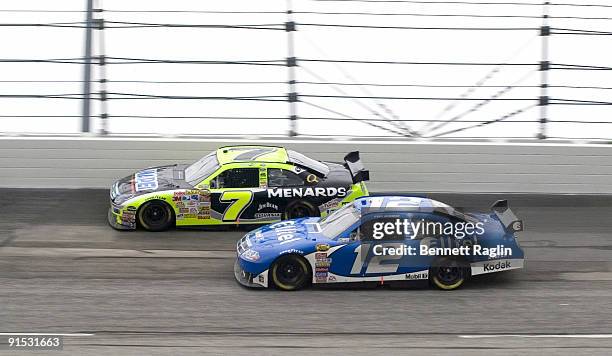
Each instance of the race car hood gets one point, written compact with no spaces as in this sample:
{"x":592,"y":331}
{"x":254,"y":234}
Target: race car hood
{"x":283,"y":233}
{"x":149,"y":180}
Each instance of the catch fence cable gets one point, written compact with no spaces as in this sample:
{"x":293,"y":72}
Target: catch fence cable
{"x":480,"y":105}
{"x":400,"y":125}
{"x":505,"y":117}
{"x":358,"y":102}
{"x":437,"y":2}
{"x":481,"y":82}
{"x":368,"y":122}
{"x":413,"y":85}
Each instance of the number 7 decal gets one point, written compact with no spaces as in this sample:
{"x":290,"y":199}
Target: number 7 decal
{"x":240,"y":200}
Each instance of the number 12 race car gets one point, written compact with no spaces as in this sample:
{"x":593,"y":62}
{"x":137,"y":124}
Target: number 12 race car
{"x":236,"y":185}
{"x":381,"y":239}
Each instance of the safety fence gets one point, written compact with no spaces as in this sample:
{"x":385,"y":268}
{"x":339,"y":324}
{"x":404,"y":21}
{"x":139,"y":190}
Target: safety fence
{"x":298,"y":95}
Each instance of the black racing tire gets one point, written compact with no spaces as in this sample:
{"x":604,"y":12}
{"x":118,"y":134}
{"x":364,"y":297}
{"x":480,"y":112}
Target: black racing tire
{"x":448,"y":273}
{"x":155,"y":215}
{"x":290,"y":272}
{"x":300,"y":209}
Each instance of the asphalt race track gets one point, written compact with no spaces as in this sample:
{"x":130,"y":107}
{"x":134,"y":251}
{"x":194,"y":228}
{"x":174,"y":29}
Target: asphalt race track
{"x":64,"y":270}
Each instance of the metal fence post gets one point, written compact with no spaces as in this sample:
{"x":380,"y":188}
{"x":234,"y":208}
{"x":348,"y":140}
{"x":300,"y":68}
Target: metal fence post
{"x":292,"y":96}
{"x":544,"y":99}
{"x":86,"y":110}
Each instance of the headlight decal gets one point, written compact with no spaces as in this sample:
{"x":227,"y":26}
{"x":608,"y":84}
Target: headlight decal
{"x":250,"y":255}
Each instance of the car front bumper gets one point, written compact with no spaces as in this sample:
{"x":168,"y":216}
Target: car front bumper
{"x":248,"y":279}
{"x":114,"y":220}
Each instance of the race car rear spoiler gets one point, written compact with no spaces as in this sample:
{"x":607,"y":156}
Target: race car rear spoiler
{"x":506,"y":216}
{"x":352,"y":162}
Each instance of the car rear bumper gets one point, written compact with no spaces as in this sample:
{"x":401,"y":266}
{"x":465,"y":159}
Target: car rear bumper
{"x":497,"y":265}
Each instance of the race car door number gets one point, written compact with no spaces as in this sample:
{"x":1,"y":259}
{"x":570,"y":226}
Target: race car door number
{"x":239,"y":199}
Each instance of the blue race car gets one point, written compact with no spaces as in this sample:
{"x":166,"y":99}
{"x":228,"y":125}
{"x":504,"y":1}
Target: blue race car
{"x":381,"y":239}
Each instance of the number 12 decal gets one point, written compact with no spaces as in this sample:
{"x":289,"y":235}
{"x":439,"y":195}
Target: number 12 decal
{"x":240,"y":200}
{"x":376,"y":264}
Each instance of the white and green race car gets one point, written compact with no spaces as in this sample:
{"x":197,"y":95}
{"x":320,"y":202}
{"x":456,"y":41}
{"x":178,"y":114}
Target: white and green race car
{"x":235,"y":185}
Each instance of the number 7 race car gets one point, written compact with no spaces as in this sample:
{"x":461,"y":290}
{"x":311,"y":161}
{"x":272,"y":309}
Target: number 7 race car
{"x":235,"y":185}
{"x":381,"y":239}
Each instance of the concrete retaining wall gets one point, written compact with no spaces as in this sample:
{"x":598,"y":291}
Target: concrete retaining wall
{"x":81,"y":162}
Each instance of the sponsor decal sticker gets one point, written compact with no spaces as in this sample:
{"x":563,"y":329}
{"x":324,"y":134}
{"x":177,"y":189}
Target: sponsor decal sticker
{"x":417,"y":275}
{"x":267,"y":205}
{"x":311,"y":178}
{"x":499,"y":266}
{"x":292,"y":250}
{"x":268,"y":215}
{"x":322,"y":247}
{"x":304,"y":192}
{"x":322,"y":264}
{"x":146,"y":180}
{"x":250,"y":255}
{"x":332,"y":204}
{"x":203,"y":216}
{"x":285,"y":231}
{"x":274,"y":214}
{"x":320,"y":255}
{"x":128,"y":217}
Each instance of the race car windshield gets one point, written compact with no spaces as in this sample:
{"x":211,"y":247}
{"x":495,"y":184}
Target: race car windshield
{"x":339,"y":221}
{"x":301,"y":160}
{"x":195,"y":173}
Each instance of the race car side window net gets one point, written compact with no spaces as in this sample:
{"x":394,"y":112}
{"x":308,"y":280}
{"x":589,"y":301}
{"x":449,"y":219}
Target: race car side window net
{"x":238,"y":178}
{"x":283,"y":178}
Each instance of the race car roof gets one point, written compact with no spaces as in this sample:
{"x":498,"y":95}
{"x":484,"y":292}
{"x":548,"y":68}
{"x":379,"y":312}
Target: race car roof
{"x":231,"y":154}
{"x":398,"y":203}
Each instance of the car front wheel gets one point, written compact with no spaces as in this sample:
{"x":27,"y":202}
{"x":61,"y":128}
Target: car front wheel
{"x":290,"y":272}
{"x":155,"y":216}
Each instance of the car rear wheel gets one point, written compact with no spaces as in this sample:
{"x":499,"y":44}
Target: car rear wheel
{"x":290,"y":272}
{"x":448,"y":273}
{"x":300,"y":209}
{"x":155,"y":216}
